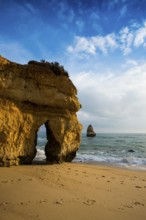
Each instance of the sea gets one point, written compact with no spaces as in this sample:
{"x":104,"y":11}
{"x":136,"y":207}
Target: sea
{"x":122,"y":150}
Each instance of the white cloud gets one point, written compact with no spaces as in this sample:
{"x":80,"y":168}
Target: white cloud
{"x":132,"y":62}
{"x":113,"y":102}
{"x":100,"y":43}
{"x":82,"y":45}
{"x":126,"y":50}
{"x":140,"y":36}
{"x":111,"y":40}
{"x":125,"y":40}
{"x":90,"y":45}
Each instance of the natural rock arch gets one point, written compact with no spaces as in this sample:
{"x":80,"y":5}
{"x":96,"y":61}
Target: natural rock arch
{"x":32,"y":95}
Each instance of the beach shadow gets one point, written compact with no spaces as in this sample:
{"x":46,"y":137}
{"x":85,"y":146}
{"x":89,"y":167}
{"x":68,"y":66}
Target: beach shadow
{"x":39,"y":162}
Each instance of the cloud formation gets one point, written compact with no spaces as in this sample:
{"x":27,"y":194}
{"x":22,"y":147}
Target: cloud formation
{"x":140,"y":36}
{"x":101,"y":43}
{"x":113,"y":102}
{"x":125,"y":40}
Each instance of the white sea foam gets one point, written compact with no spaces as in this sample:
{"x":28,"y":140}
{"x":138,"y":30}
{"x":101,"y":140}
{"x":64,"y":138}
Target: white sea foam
{"x":40,"y":155}
{"x":129,"y":162}
{"x":127,"y":150}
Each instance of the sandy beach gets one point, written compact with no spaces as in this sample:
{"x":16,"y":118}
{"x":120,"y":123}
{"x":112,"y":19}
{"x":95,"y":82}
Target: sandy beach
{"x":72,"y":191}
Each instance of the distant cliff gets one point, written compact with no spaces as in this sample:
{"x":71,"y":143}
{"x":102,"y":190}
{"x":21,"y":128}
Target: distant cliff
{"x":32,"y":95}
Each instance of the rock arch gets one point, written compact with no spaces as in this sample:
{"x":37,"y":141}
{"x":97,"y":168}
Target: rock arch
{"x":32,"y":95}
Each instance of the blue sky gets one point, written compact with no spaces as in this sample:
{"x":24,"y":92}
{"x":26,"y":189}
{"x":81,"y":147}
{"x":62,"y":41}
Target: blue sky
{"x":102,"y":44}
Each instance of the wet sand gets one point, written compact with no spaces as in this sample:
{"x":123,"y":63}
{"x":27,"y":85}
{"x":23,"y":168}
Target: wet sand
{"x":72,"y":191}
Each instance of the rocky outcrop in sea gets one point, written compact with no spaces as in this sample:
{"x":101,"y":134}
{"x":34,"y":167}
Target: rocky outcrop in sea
{"x":90,"y":131}
{"x":32,"y":95}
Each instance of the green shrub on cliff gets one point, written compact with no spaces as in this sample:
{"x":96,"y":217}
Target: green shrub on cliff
{"x":56,"y":68}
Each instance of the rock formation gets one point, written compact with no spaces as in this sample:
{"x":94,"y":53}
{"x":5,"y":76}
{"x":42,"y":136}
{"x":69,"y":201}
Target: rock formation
{"x":90,"y":131}
{"x":32,"y":95}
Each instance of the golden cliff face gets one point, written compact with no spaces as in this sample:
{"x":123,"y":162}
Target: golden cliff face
{"x":32,"y":95}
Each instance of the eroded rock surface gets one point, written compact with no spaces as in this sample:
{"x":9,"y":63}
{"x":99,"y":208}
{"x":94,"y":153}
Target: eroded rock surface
{"x":32,"y":95}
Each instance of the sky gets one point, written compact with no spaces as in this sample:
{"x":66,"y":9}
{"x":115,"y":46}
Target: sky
{"x":101,"y":43}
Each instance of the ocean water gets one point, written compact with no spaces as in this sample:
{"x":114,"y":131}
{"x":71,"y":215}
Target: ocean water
{"x":125,"y":150}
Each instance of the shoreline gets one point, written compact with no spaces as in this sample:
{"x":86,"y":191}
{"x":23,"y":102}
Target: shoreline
{"x":72,"y":191}
{"x":134,"y":167}
{"x":94,"y":163}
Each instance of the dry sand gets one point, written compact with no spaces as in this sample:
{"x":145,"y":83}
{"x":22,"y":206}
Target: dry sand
{"x":72,"y":192}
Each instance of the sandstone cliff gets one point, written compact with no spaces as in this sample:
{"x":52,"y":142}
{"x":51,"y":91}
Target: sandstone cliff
{"x":32,"y":95}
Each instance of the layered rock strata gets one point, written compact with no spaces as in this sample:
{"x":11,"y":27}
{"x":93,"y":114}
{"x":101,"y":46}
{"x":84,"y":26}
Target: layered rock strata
{"x":32,"y":95}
